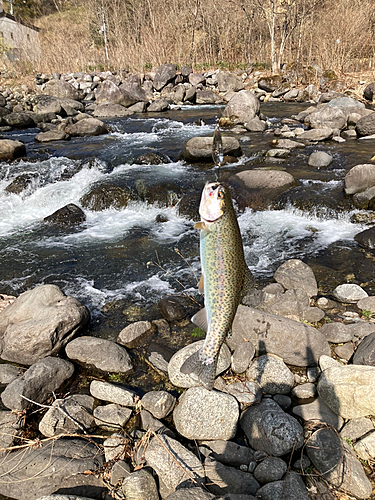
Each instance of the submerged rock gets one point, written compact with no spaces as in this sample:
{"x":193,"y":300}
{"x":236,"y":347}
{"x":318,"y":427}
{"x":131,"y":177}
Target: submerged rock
{"x":70,"y":214}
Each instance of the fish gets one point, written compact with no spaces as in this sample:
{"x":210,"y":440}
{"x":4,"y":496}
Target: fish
{"x":225,"y":280}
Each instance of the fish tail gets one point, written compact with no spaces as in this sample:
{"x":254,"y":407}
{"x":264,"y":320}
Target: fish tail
{"x":200,"y":370}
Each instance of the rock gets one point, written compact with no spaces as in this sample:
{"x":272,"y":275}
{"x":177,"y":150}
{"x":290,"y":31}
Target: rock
{"x":320,"y":159}
{"x":111,"y":415}
{"x":365,"y":199}
{"x":9,"y":150}
{"x":270,"y":83}
{"x":337,"y":332}
{"x":199,"y":149}
{"x":109,"y":110}
{"x":228,"y":82}
{"x":272,"y":374}
{"x":56,"y":421}
{"x":102,"y":354}
{"x":283,"y":401}
{"x":242,"y":356}
{"x":366,"y":125}
{"x":296,"y":343}
{"x":362,"y":329}
{"x":356,"y":428}
{"x":337,"y":463}
{"x":61,"y":89}
{"x":8,"y":373}
{"x":292,"y":488}
{"x":291,"y":95}
{"x":37,"y":383}
{"x":158,"y":403}
{"x":39,"y":323}
{"x":349,"y":134}
{"x":112,"y":393}
{"x":119,"y":471}
{"x":152,"y":159}
{"x":223,"y":479}
{"x":278,"y":153}
{"x":255,"y":125}
{"x":133,"y":87}
{"x":108,"y":92}
{"x":182,"y":380}
{"x":360,"y":178}
{"x":19,"y":120}
{"x":138,"y":107}
{"x":172,"y":309}
{"x":205,"y":97}
{"x":115,"y":447}
{"x":348,"y":390}
{"x":365,"y":447}
{"x":270,"y":469}
{"x":349,"y":292}
{"x":345,"y":351}
{"x":87,"y":126}
{"x":158,"y":106}
{"x":268,"y":428}
{"x":320,"y":134}
{"x":140,"y":485}
{"x":288,"y":144}
{"x":367,"y":304}
{"x":203,"y":414}
{"x":21,"y":183}
{"x":193,"y":493}
{"x":318,"y":411}
{"x":242,"y":107}
{"x":369,"y":92}
{"x":104,"y":197}
{"x":173,"y":463}
{"x":304,"y":391}
{"x":296,"y":274}
{"x":64,"y":462}
{"x":266,"y":179}
{"x":150,"y":422}
{"x":51,"y":135}
{"x":68,"y":215}
{"x":47,"y":104}
{"x":135,"y":333}
{"x":163,"y":75}
{"x":366,"y":238}
{"x":365,"y":352}
{"x":246,"y":392}
{"x":10,"y":423}
{"x":228,"y":452}
{"x":159,"y":357}
{"x":327,"y":117}
{"x":196,"y":79}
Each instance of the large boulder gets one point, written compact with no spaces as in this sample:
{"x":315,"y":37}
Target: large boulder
{"x":270,"y":83}
{"x":366,"y":125}
{"x":9,"y":150}
{"x":104,"y":197}
{"x":163,"y":75}
{"x":133,"y":87}
{"x":47,"y":104}
{"x":242,"y":108}
{"x":360,"y":178}
{"x":366,"y":238}
{"x":109,"y":110}
{"x":39,"y":323}
{"x":87,"y":126}
{"x":199,"y":149}
{"x":295,"y":274}
{"x":327,"y":117}
{"x":19,"y":120}
{"x":109,"y":92}
{"x":228,"y":82}
{"x":369,"y":92}
{"x":61,"y":89}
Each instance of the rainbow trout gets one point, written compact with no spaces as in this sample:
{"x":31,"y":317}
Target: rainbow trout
{"x":225,"y":275}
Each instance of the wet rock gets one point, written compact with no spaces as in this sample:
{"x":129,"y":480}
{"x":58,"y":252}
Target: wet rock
{"x":272,"y":374}
{"x":349,"y":292}
{"x":292,"y":488}
{"x":135,"y":333}
{"x":158,"y":403}
{"x":140,"y":485}
{"x":112,"y":393}
{"x":87,"y":126}
{"x":366,"y":125}
{"x":356,"y":428}
{"x":268,"y":428}
{"x":68,"y":215}
{"x":51,"y":135}
{"x":72,"y":414}
{"x":182,"y":380}
{"x":8,"y":373}
{"x":337,"y":332}
{"x":270,"y":469}
{"x":349,"y":134}
{"x":37,"y":383}
{"x":61,"y":89}
{"x":320,"y":159}
{"x":223,"y":479}
{"x":199,"y":149}
{"x":337,"y":463}
{"x":39,"y":323}
{"x":365,"y":352}
{"x":288,"y":144}
{"x":360,"y":178}
{"x":104,"y":197}
{"x":20,"y":183}
{"x":19,"y":120}
{"x":111,"y":415}
{"x":64,"y":462}
{"x":9,"y":150}
{"x":162,"y":195}
{"x":242,"y":107}
{"x":318,"y":411}
{"x":304,"y":391}
{"x":364,"y":199}
{"x":365,"y":447}
{"x":318,"y":134}
{"x":366,"y":238}
{"x":152,"y":159}
{"x":246,"y":392}
{"x":163,"y":75}
{"x":102,"y":354}
{"x":172,"y":309}
{"x":10,"y":423}
{"x":109,"y":110}
{"x":242,"y":356}
{"x":348,"y":390}
{"x":266,"y":179}
{"x":203,"y":414}
{"x":228,"y":452}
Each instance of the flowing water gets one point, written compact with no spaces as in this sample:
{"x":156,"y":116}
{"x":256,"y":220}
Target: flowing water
{"x":126,"y":255}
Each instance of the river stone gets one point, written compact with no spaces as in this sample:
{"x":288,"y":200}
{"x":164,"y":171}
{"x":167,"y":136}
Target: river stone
{"x":288,"y":144}
{"x":242,"y":356}
{"x":171,"y":309}
{"x":278,"y":153}
{"x":365,"y":447}
{"x":105,"y":196}
{"x":135,"y":333}
{"x":272,"y":374}
{"x":367,"y":304}
{"x":320,"y":159}
{"x":360,"y":178}
{"x":19,"y":120}
{"x":173,"y":463}
{"x":291,"y":95}
{"x":158,"y":403}
{"x":195,"y":493}
{"x":223,"y":479}
{"x":292,"y":488}
{"x":104,"y":355}
{"x":56,"y":421}
{"x":158,"y":106}
{"x":37,"y":383}
{"x":10,"y":423}
{"x":270,"y":83}
{"x":57,"y":496}
{"x":8,"y":373}
{"x":255,"y":125}
{"x":228,"y":82}
{"x":318,"y":411}
{"x":348,"y":390}
{"x":61,"y":89}
{"x":266,"y":179}
{"x":9,"y":150}
{"x":295,"y":274}
{"x":296,"y":343}
{"x":205,"y":97}
{"x":362,"y":329}
{"x":365,"y":198}
{"x":152,"y":159}
{"x":115,"y":447}
{"x":270,"y":469}
{"x":109,"y":110}
{"x":349,"y":292}
{"x":58,"y":465}
{"x":140,"y":485}
{"x":304,"y":391}
{"x":345,"y":102}
{"x":87,"y":126}
{"x":317,"y":134}
{"x":228,"y":452}
{"x":337,"y":332}
{"x":345,"y":351}
{"x":327,"y":117}
{"x":47,"y":104}
{"x":119,"y":471}
{"x":268,"y":428}
{"x":51,"y":135}
{"x":67,"y":215}
{"x":112,"y":393}
{"x":163,"y":75}
{"x":133,"y":87}
{"x":242,"y":107}
{"x":366,"y":125}
{"x":203,"y":414}
{"x":356,"y":428}
{"x":200,"y":148}
{"x":149,"y":422}
{"x":183,"y":380}
{"x":365,"y":352}
{"x":111,"y":415}
{"x":369,"y":92}
{"x":246,"y":392}
{"x":334,"y":459}
{"x":366,"y":238}
{"x":108,"y":92}
{"x":39,"y":323}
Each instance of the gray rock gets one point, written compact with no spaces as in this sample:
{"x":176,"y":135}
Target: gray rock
{"x":103,"y":354}
{"x":138,"y":107}
{"x":150,"y":422}
{"x":320,"y":159}
{"x":272,"y":374}
{"x":140,"y":485}
{"x":295,"y":274}
{"x":203,"y":414}
{"x":47,"y":104}
{"x":337,"y":463}
{"x":317,"y":134}
{"x":318,"y":411}
{"x":283,"y":401}
{"x":266,"y":179}
{"x":337,"y":332}
{"x":345,"y":351}
{"x":365,"y":352}
{"x":288,"y":144}
{"x":291,"y":95}
{"x":200,"y":148}
{"x":66,"y":216}
{"x":356,"y":428}
{"x":228,"y":82}
{"x":365,"y":447}
{"x":105,"y":196}
{"x":304,"y":391}
{"x":349,"y":292}
{"x":111,"y":415}
{"x":56,"y":496}
{"x":108,"y":92}
{"x":61,"y":89}
{"x":8,"y":373}
{"x":119,"y":471}
{"x":112,"y":393}
{"x":158,"y":106}
{"x":37,"y":383}
{"x":366,"y":238}
{"x":182,"y":380}
{"x":366,"y":125}
{"x":349,"y":390}
{"x":69,"y":415}
{"x":362,"y":329}
{"x":135,"y":333}
{"x":172,"y":309}
{"x":159,"y":357}
{"x":243,"y":106}
{"x":367,"y":304}
{"x":158,"y":403}
{"x":109,"y":110}
{"x":163,"y":75}
{"x":270,"y":469}
{"x":302,"y":463}
{"x":133,"y":87}
{"x":205,"y":97}
{"x":345,"y":102}
{"x":51,"y":135}
{"x":360,"y":178}
{"x":115,"y":447}
{"x":173,"y":463}
{"x":296,"y":343}
{"x":242,"y":356}
{"x":328,"y":362}
{"x":349,"y":134}
{"x":246,"y":392}
{"x":369,"y":92}
{"x":255,"y":125}
{"x":278,"y":153}
{"x":223,"y":479}
{"x":87,"y":126}
{"x":292,"y":488}
{"x":229,"y":453}
{"x":327,"y":117}
{"x":192,"y":494}
{"x":10,"y":423}
{"x":39,"y":323}
{"x":270,"y":429}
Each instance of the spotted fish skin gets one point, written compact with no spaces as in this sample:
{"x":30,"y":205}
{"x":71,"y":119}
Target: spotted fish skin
{"x":226,"y":278}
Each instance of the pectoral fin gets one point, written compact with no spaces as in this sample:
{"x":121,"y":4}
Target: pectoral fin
{"x":200,"y":319}
{"x":201,"y":285}
{"x":201,"y":225}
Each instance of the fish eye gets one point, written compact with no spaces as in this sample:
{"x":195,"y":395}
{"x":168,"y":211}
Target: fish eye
{"x":220,"y":195}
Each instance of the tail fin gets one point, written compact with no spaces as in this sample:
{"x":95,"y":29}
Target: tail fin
{"x":199,"y":370}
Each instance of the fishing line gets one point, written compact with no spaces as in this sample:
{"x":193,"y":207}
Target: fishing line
{"x":217,"y":149}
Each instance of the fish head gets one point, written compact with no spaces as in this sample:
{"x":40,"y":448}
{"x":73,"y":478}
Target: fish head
{"x":214,"y":201}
